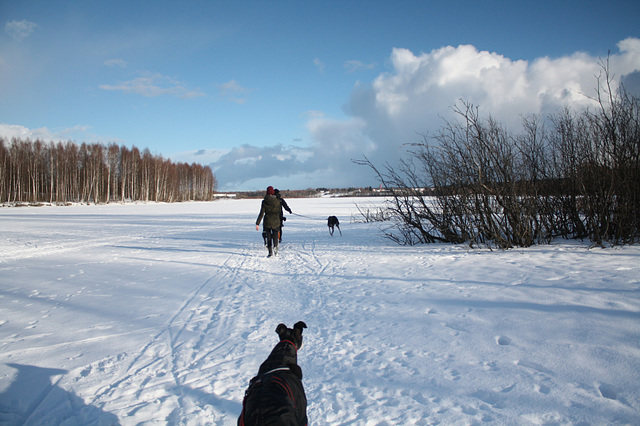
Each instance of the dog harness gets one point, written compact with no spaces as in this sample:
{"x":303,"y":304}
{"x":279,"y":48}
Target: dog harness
{"x":274,"y":380}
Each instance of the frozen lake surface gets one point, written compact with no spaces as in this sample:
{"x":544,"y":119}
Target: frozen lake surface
{"x":162,"y":313}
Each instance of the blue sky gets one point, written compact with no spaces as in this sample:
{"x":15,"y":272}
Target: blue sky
{"x":286,"y":93}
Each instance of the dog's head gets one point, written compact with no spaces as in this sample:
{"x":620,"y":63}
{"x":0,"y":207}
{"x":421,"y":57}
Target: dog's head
{"x":293,"y":335}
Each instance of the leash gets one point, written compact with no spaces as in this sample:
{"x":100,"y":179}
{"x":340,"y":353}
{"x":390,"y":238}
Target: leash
{"x":301,"y":215}
{"x":308,"y":217}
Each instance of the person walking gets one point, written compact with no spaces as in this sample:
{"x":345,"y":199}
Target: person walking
{"x":271,"y":210}
{"x":285,"y":206}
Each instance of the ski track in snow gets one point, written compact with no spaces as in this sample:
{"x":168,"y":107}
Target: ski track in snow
{"x":161,"y":314}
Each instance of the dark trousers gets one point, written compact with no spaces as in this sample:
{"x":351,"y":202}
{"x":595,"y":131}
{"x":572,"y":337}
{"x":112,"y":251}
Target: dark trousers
{"x":272,"y":237}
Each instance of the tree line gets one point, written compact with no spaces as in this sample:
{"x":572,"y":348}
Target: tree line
{"x":574,"y":175}
{"x":35,"y":171}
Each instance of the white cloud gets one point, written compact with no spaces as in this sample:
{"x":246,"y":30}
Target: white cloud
{"x":628,"y":57}
{"x":233,"y":92}
{"x":421,"y":89}
{"x":319,"y":64}
{"x":76,"y":133}
{"x":430,"y":83}
{"x":154,"y":85}
{"x":353,"y":66}
{"x":19,"y":30}
{"x":312,"y":114}
{"x":339,"y":138}
{"x":116,"y":63}
{"x":413,"y":98}
{"x":10,"y":131}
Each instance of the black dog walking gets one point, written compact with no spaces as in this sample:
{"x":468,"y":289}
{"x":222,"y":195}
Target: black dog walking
{"x":332,"y":222}
{"x":276,"y":395}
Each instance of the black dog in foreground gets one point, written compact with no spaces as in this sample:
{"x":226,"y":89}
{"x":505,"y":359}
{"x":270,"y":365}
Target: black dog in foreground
{"x":331,"y":222}
{"x":276,"y":395}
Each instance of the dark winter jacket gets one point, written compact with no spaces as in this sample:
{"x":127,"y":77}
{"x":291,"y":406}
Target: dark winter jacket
{"x":284,"y":204}
{"x":276,"y":395}
{"x":271,"y":210}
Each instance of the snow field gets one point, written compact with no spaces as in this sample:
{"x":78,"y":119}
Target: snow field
{"x":162,"y":313}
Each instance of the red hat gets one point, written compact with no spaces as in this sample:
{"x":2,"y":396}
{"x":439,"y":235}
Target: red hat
{"x":270,"y":190}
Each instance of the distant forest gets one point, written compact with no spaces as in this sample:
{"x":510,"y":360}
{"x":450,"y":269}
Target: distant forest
{"x":61,"y":173}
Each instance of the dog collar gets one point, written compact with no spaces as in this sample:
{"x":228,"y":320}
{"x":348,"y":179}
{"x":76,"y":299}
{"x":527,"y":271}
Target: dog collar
{"x":289,"y":341}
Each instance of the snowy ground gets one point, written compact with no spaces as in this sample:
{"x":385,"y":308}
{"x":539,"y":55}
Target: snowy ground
{"x":160,"y":314}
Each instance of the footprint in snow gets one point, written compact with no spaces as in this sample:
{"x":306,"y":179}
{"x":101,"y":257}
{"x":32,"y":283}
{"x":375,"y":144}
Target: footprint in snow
{"x":543,"y":389}
{"x":503,"y":340}
{"x":608,"y":391}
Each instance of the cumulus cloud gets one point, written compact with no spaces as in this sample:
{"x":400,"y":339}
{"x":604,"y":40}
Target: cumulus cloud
{"x":153,"y":85}
{"x":412,"y":99}
{"x":422,"y":87}
{"x":19,"y":30}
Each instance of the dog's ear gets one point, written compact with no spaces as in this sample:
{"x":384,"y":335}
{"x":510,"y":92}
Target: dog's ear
{"x":297,"y":333}
{"x":281,"y":329}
